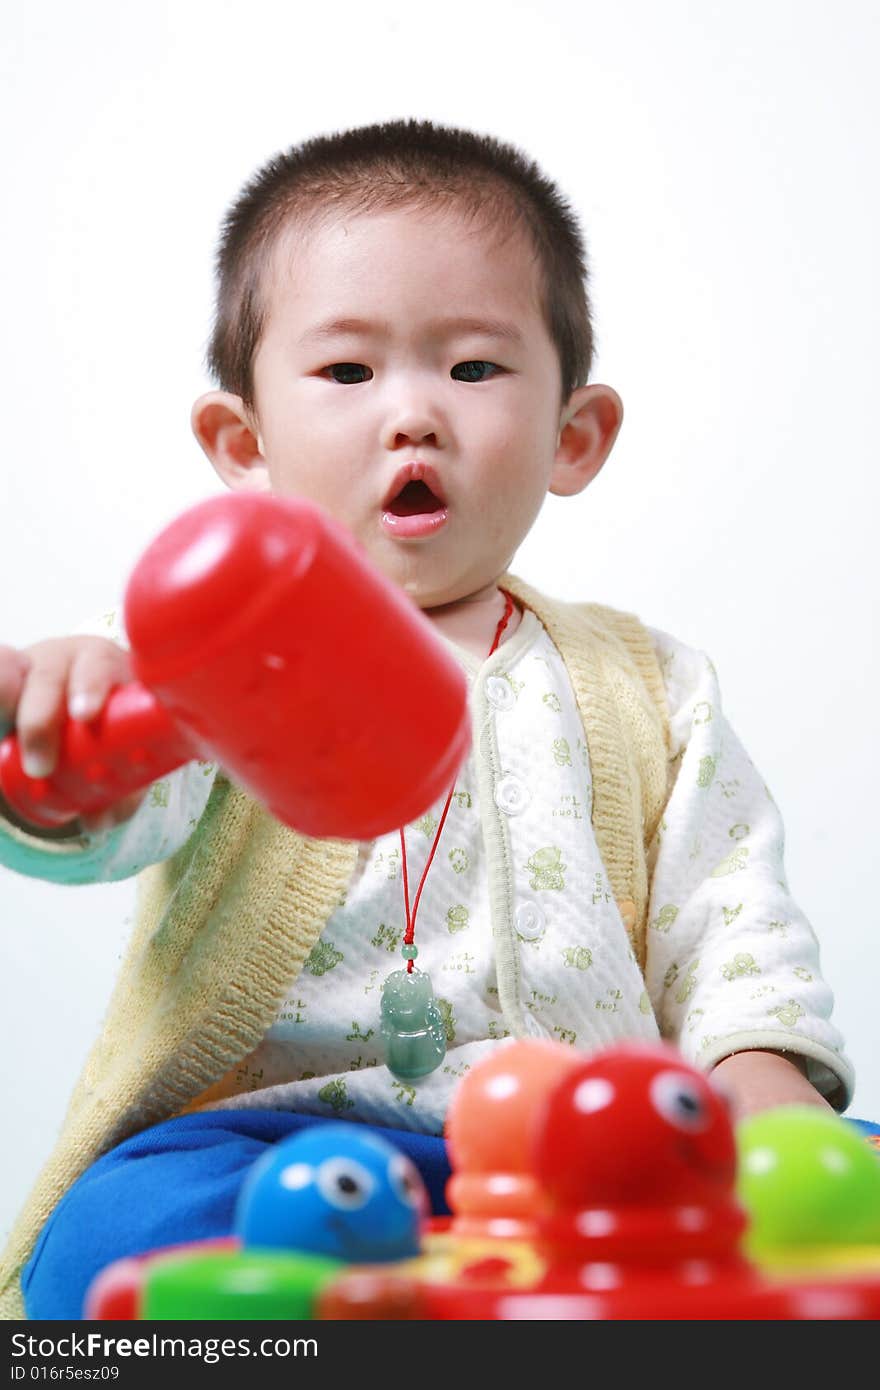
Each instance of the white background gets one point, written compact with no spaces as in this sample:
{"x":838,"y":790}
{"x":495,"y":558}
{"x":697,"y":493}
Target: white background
{"x":724,"y":161}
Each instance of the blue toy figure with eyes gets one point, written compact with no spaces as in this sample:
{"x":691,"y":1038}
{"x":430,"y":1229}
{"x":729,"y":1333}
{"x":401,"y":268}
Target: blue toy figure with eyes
{"x":333,"y":1191}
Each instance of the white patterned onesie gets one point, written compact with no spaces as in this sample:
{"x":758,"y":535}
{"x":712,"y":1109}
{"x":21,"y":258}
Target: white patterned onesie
{"x":517,"y":925}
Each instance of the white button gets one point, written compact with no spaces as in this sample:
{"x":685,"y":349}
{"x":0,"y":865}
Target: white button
{"x":511,"y":796}
{"x":530,"y":922}
{"x":499,"y":692}
{"x":533,"y":1027}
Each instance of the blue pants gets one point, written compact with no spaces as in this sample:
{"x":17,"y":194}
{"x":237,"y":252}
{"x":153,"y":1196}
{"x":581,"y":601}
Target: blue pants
{"x":175,"y":1182}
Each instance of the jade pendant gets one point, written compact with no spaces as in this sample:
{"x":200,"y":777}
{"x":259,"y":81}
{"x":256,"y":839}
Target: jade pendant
{"x":412,"y":1024}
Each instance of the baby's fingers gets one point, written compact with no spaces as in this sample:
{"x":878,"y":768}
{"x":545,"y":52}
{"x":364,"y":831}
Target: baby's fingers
{"x":94,"y":671}
{"x":41,"y":710}
{"x":14,"y":666}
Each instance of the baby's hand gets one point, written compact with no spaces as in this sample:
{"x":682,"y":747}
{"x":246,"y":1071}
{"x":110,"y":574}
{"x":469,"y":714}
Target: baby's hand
{"x":40,"y":684}
{"x":756,"y":1081}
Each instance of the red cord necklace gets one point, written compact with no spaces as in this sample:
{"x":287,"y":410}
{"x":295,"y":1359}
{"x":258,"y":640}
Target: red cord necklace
{"x":412,"y":1025}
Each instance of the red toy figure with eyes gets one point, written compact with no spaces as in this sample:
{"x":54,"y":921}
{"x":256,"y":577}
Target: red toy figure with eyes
{"x":636,"y":1161}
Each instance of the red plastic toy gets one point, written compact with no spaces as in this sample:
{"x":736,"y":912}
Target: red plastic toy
{"x":264,"y":639}
{"x":633,"y":1161}
{"x":584,"y":1189}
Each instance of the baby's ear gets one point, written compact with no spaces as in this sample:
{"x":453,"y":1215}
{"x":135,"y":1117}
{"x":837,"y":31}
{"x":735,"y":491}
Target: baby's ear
{"x":229,"y":436}
{"x":588,"y":426}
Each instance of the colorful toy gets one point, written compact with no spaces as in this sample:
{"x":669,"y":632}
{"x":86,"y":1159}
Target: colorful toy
{"x":634,"y":1213}
{"x":584,"y":1188}
{"x":326,"y":1197}
{"x":115,"y":1295}
{"x":242,"y":1284}
{"x":252,"y":621}
{"x":812,"y":1188}
{"x":334,"y":1190}
{"x":493,"y":1191}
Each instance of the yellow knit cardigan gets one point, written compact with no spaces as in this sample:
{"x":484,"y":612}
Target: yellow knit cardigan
{"x":223,"y":926}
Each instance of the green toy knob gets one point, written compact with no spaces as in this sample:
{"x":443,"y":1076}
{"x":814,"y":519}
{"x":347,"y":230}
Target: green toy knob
{"x":806,"y":1178}
{"x":246,"y":1284}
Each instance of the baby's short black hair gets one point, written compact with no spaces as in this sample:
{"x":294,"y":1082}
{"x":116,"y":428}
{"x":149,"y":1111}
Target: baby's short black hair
{"x":397,"y":164}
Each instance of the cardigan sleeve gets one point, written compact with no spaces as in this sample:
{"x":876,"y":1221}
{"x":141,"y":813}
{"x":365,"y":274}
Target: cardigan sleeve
{"x":162,"y":823}
{"x":159,"y":827}
{"x":732,"y":961}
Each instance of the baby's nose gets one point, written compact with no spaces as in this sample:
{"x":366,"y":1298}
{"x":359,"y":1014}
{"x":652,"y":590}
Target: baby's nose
{"x":415,"y":430}
{"x":414,"y":416}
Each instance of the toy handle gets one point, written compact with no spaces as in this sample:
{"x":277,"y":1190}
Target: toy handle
{"x":128,"y":745}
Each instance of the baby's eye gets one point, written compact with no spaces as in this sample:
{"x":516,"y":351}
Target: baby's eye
{"x":470,"y":367}
{"x":345,"y":368}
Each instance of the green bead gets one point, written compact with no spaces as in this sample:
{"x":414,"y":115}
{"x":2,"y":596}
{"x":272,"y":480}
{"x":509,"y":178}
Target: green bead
{"x":233,"y":1284}
{"x":409,"y":952}
{"x":806,"y":1178}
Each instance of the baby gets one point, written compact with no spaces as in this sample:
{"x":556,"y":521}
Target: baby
{"x":403,"y":336}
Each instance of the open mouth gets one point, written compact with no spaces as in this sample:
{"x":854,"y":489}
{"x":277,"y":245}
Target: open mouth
{"x":416,"y":499}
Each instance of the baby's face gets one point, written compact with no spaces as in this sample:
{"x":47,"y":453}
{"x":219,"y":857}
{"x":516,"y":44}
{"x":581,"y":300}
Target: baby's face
{"x":343,"y":412}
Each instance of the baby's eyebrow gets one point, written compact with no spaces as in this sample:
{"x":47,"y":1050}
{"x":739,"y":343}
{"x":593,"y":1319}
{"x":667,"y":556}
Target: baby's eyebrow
{"x":448,"y":327}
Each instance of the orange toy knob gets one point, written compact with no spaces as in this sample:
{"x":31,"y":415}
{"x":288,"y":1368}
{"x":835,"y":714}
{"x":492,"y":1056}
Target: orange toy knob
{"x":490,"y":1129}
